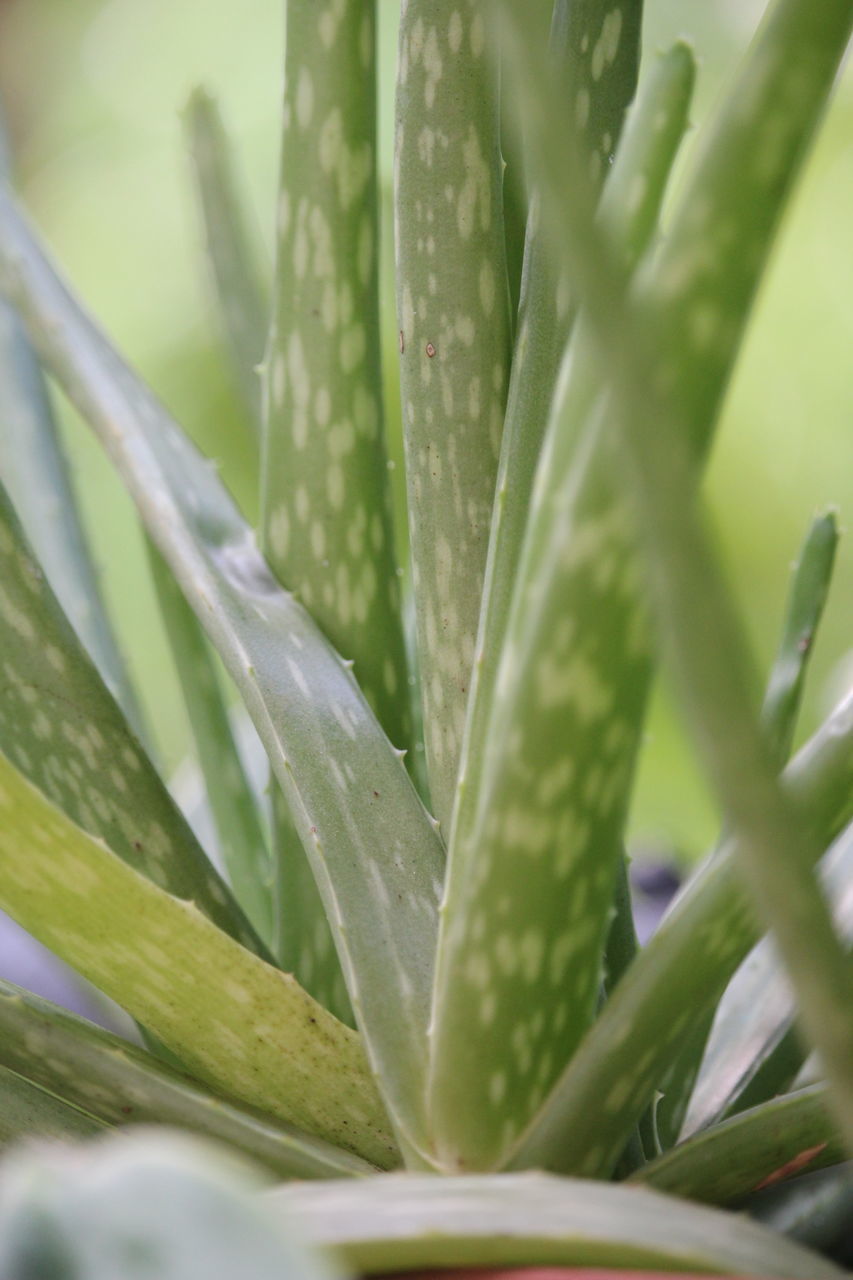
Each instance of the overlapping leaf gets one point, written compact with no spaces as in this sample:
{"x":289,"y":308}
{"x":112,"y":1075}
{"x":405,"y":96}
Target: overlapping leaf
{"x":374,"y":851}
{"x":232,"y":1019}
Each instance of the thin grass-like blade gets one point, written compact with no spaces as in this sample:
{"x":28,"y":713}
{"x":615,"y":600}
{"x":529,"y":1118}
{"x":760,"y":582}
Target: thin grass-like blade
{"x":755,"y":1149}
{"x":396,"y":1224}
{"x":26,"y":1111}
{"x":239,"y":1024}
{"x":118,"y":1083}
{"x":453,"y":313}
{"x":242,"y":841}
{"x":62,"y":729}
{"x":34,"y":468}
{"x":376,"y":856}
{"x":806,"y":600}
{"x":232,"y":249}
{"x":753,"y":1034}
{"x":537,"y":833}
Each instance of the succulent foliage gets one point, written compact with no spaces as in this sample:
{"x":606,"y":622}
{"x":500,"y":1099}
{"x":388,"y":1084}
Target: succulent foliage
{"x":435,"y":970}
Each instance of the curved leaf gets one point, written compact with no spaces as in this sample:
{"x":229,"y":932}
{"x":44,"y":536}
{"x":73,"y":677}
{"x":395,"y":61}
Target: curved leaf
{"x":402,"y":1223}
{"x":62,"y":729}
{"x":752,"y":1150}
{"x":118,"y":1083}
{"x":374,"y":851}
{"x":241,"y":1025}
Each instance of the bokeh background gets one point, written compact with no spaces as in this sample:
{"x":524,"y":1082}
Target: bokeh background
{"x":94,"y":90}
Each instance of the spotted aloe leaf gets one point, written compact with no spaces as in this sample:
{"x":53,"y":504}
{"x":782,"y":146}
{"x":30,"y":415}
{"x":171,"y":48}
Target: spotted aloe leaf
{"x":756,"y":1149}
{"x":807,"y":597}
{"x":33,"y":466}
{"x":117,"y":1083}
{"x":375,"y":853}
{"x":326,"y":528}
{"x":236,"y":1022}
{"x":27,"y":1111}
{"x":232,"y":249}
{"x":242,"y":841}
{"x":678,"y":977}
{"x":550,"y":739}
{"x":728,"y":188}
{"x":753,"y":1051}
{"x":62,"y":729}
{"x":453,"y":313}
{"x":532,"y":1220}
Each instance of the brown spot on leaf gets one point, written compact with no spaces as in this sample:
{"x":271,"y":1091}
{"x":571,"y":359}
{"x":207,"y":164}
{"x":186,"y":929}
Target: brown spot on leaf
{"x":791,"y":1167}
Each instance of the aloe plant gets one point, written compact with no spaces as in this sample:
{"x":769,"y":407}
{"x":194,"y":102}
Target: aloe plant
{"x":435,"y":970}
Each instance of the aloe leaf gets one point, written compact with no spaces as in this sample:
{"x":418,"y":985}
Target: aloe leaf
{"x":737,"y":180}
{"x":453,"y":313}
{"x":62,"y":729}
{"x":119,"y":1084}
{"x":326,"y":528}
{"x":676,"y":979}
{"x":758,"y":1148}
{"x":232,"y":250}
{"x":530,"y":1219}
{"x":550,"y":746}
{"x":809,"y":590}
{"x":814,"y":1209}
{"x":34,"y":468}
{"x":806,"y":600}
{"x":141,"y":1205}
{"x":242,"y":842}
{"x":236,"y":1022}
{"x":376,"y":856}
{"x":753,"y":1030}
{"x":27,"y":1111}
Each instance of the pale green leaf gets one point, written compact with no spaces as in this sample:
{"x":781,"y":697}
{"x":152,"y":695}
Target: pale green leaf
{"x":241,"y":839}
{"x":453,"y":315}
{"x":405,"y":1223}
{"x":27,"y":1111}
{"x":232,"y":1019}
{"x":375,"y":854}
{"x":62,"y":729}
{"x":233,"y":252}
{"x":550,"y":743}
{"x":120,"y":1084}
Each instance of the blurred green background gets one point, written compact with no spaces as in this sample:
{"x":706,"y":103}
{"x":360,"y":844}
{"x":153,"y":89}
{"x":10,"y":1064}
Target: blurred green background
{"x":94,"y":91}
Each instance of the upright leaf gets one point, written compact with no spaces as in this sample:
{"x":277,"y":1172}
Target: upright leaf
{"x":236,"y":1022}
{"x":676,"y":979}
{"x":232,"y":251}
{"x":375,"y":854}
{"x":537,"y":832}
{"x":453,"y":314}
{"x":327,"y":530}
{"x":242,"y":842}
{"x":738,"y":183}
